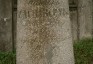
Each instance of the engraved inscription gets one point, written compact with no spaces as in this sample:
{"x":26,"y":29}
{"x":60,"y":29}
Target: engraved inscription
{"x":43,"y":2}
{"x":42,"y":12}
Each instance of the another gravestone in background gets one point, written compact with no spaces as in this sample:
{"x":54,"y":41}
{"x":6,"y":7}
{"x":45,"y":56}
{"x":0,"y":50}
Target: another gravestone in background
{"x":85,"y":18}
{"x":5,"y":25}
{"x":81,"y":18}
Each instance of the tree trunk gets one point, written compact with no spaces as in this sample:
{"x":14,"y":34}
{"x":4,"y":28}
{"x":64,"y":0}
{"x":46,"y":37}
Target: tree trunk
{"x":85,"y":18}
{"x":44,"y":32}
{"x":5,"y":25}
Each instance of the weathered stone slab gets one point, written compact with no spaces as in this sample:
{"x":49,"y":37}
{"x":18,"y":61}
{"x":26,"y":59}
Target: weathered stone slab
{"x":44,"y":32}
{"x":85,"y":18}
{"x":5,"y":25}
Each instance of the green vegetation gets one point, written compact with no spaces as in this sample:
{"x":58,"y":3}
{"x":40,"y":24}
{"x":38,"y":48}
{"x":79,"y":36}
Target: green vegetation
{"x":7,"y":58}
{"x":83,"y":50}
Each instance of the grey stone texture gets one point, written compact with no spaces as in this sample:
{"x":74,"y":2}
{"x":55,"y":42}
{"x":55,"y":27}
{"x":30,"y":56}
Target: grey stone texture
{"x":44,"y":32}
{"x":85,"y":18}
{"x":5,"y":25}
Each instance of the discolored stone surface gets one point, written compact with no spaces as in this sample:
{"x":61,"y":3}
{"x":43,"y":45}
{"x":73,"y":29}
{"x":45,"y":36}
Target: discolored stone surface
{"x":44,"y":32}
{"x":74,"y":24}
{"x":85,"y":18}
{"x":5,"y":25}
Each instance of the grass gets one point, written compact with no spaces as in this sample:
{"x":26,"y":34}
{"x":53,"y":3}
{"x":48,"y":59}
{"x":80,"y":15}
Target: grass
{"x":83,"y":50}
{"x":7,"y":58}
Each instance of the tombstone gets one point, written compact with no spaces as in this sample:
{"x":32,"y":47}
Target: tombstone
{"x":44,"y":32}
{"x":5,"y":25}
{"x":85,"y":18}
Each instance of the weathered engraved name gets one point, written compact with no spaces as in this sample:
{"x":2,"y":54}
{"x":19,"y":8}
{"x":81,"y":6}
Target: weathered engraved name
{"x":43,"y":2}
{"x":42,"y":12}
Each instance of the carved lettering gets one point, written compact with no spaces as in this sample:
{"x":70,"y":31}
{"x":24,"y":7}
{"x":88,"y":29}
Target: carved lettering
{"x":42,"y":2}
{"x":42,"y":12}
